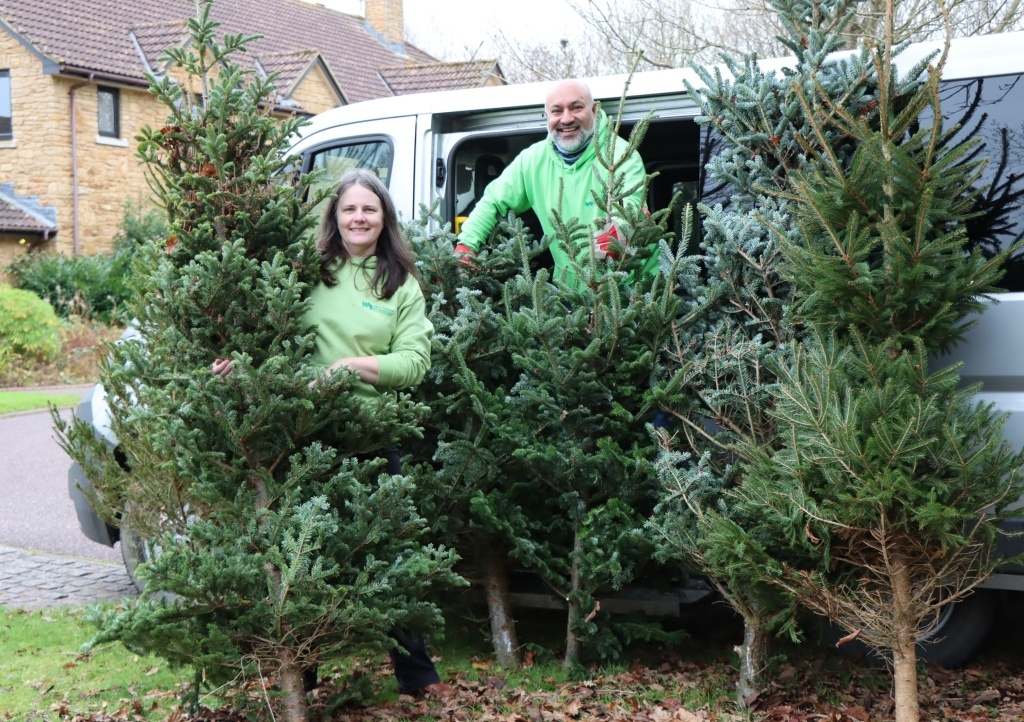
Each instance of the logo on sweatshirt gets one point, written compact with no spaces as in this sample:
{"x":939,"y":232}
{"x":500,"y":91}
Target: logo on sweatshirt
{"x":378,"y":308}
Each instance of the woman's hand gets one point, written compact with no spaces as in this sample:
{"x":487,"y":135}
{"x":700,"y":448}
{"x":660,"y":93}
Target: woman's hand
{"x":222,"y":367}
{"x":367,"y":367}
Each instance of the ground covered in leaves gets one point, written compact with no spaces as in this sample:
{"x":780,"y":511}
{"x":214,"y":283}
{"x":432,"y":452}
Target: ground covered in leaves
{"x":815,"y":684}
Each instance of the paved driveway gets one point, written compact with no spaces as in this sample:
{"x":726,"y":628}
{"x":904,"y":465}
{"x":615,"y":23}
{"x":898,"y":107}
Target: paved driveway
{"x":36,"y":512}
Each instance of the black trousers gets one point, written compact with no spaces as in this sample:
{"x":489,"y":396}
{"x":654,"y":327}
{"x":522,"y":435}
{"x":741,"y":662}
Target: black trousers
{"x":414,"y":670}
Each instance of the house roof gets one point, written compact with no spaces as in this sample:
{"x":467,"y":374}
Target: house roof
{"x":24,"y":214}
{"x":428,"y":77}
{"x":121,"y":39}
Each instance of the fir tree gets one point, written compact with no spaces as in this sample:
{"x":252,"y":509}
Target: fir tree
{"x":725,"y":349}
{"x":578,"y":416}
{"x":892,"y":481}
{"x":466,"y":390}
{"x":273,"y":545}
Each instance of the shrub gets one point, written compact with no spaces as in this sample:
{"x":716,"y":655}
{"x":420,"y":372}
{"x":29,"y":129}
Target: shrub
{"x":28,"y":326}
{"x":95,"y":285}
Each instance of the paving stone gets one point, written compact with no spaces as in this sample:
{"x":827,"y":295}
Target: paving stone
{"x":38,"y":581}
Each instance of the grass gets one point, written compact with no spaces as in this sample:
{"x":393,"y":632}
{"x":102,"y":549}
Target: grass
{"x":11,"y":401}
{"x":45,"y":676}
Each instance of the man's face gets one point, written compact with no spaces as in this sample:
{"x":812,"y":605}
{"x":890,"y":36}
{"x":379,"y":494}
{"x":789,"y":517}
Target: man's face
{"x":570,"y":112}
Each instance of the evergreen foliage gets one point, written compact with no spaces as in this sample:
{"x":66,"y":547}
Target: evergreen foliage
{"x":29,"y":328}
{"x":543,"y":396}
{"x":754,"y":120}
{"x":841,"y":472}
{"x":892,"y":482}
{"x":274,"y":542}
{"x":94,"y":286}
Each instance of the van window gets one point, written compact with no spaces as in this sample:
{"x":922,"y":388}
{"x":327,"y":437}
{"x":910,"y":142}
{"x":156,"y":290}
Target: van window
{"x":375,"y":155}
{"x":672,"y":148}
{"x":993,"y":109}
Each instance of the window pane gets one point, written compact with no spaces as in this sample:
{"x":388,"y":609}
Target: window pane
{"x":989,"y":109}
{"x":373,"y":155}
{"x":6,"y":128}
{"x":108,"y":121}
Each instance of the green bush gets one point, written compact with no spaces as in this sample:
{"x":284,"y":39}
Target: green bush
{"x":93,"y":286}
{"x":29,"y":328}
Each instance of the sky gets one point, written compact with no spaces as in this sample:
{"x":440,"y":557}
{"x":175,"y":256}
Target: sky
{"x":454,"y":29}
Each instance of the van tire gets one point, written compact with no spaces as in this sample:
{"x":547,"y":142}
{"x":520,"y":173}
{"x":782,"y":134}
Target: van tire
{"x":962,"y":629}
{"x":134,"y":551}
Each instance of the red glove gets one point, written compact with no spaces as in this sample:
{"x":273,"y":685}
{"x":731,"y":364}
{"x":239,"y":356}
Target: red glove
{"x":465,"y":254}
{"x":603,"y":240}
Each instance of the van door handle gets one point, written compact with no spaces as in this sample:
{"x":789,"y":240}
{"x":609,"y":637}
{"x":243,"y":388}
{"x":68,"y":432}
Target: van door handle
{"x":439,"y":172}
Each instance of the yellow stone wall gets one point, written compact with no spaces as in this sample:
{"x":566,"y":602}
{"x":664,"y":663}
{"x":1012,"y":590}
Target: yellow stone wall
{"x":316,"y":93}
{"x":39,"y":159}
{"x":11,"y":248}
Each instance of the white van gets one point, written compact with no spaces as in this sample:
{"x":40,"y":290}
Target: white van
{"x":446,"y":147}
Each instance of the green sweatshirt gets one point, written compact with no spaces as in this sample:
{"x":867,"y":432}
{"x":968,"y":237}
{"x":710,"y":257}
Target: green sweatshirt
{"x":531,"y":180}
{"x":352,"y":321}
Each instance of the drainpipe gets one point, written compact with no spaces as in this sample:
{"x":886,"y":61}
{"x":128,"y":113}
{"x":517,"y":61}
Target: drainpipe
{"x":74,"y":163}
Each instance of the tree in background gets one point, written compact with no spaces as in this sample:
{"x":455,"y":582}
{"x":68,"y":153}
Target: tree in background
{"x":272,"y":545}
{"x":675,"y":33}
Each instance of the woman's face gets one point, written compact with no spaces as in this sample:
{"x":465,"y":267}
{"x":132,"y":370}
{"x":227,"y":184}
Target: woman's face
{"x":361,"y":219}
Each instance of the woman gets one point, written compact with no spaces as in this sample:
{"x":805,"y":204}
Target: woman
{"x":370,"y":316}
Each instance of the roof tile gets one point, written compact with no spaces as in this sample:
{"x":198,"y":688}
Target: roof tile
{"x":94,"y":35}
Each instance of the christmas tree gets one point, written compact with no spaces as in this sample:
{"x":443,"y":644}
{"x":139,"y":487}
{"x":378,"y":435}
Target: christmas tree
{"x":724,"y":351}
{"x":892,"y":482}
{"x":273,"y":546}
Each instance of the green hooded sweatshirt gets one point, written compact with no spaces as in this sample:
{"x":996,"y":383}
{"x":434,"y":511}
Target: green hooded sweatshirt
{"x":531,"y":180}
{"x":352,"y":321}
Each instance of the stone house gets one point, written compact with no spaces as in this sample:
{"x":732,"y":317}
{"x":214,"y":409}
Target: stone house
{"x":73,"y":94}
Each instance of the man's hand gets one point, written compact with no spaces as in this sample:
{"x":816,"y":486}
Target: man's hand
{"x":603,"y":240}
{"x":466,"y":256}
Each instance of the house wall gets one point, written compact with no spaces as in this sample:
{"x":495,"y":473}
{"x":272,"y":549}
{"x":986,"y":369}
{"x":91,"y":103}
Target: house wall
{"x":316,"y":93}
{"x":39,"y":158}
{"x":11,"y":248}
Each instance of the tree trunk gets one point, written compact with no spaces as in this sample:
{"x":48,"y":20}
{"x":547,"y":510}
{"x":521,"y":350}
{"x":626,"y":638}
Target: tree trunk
{"x":904,"y":655}
{"x":753,"y":653}
{"x":499,"y":607}
{"x":572,"y":640}
{"x":289,"y":675}
{"x":293,"y":692}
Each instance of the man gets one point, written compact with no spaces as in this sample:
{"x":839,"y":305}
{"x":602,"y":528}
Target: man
{"x":566,"y":159}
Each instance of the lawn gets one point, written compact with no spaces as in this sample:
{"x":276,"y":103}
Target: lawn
{"x":11,"y":401}
{"x":44,"y":677}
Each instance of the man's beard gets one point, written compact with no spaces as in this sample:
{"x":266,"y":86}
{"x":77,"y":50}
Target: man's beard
{"x":571,"y":146}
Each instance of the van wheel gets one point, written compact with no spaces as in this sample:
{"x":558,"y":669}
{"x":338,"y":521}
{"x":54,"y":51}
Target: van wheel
{"x":960,"y":631}
{"x":134,"y":551}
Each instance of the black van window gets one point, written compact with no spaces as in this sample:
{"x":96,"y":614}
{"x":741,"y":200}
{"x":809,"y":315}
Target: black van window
{"x":671,"y":149}
{"x":993,"y":109}
{"x":373,"y":155}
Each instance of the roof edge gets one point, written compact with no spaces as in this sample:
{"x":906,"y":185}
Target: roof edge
{"x":50,"y":66}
